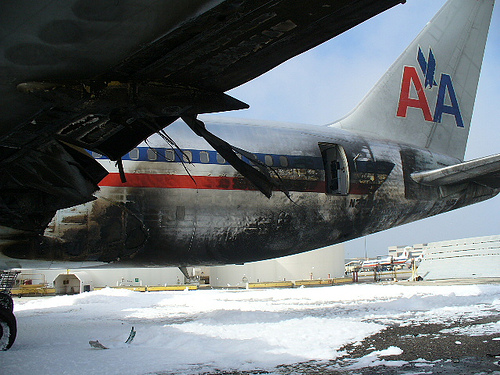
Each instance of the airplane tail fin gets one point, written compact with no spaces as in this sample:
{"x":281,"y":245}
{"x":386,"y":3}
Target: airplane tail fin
{"x":427,"y":96}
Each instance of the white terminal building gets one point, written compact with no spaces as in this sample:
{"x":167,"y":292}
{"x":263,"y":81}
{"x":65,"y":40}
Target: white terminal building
{"x":477,"y":257}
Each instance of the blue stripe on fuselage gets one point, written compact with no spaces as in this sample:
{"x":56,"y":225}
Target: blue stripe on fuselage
{"x":292,"y":161}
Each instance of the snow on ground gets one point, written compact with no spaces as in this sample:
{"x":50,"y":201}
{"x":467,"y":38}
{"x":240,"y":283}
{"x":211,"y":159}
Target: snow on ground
{"x":373,"y":359}
{"x":209,"y":330}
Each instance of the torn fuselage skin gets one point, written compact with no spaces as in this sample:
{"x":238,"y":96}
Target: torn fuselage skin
{"x":192,"y":207}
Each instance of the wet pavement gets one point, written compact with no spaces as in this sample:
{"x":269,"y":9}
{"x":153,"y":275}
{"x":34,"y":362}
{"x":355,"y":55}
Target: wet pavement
{"x":426,"y":349}
{"x":448,"y":348}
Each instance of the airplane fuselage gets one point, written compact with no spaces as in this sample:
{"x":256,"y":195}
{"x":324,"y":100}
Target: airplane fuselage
{"x":199,"y":210}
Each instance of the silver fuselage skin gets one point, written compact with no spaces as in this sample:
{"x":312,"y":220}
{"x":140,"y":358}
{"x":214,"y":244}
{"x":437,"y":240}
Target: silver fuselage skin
{"x":202,"y":212}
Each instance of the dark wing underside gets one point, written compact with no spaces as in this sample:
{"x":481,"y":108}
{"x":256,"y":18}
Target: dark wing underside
{"x":105,"y":74}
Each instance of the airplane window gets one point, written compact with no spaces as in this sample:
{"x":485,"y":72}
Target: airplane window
{"x":204,"y":157}
{"x":170,"y":155}
{"x":220,"y":159}
{"x":283,"y":161}
{"x":152,"y":154}
{"x":187,"y":156}
{"x":268,"y":159}
{"x":134,"y":154}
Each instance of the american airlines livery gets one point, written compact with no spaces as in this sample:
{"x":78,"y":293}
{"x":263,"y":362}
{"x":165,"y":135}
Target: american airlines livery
{"x":203,"y":190}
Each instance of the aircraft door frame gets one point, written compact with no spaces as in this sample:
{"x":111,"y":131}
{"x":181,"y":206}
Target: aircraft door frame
{"x":337,"y":179}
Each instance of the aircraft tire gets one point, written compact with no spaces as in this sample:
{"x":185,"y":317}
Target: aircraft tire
{"x":6,"y":302}
{"x":8,"y":328}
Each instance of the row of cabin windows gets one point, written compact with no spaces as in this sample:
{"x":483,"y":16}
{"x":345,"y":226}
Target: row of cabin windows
{"x":187,"y":157}
{"x":269,"y":161}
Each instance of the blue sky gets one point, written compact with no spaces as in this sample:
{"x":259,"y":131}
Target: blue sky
{"x":323,"y":84}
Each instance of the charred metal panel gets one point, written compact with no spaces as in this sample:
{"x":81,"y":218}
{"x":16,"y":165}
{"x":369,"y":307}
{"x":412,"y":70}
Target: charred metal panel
{"x":37,"y":182}
{"x":415,"y":160}
{"x":97,"y":231}
{"x":370,"y":175}
{"x":113,"y":117}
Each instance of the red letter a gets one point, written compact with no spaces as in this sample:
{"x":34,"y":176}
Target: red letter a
{"x":410,"y":75}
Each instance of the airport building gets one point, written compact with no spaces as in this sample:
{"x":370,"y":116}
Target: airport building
{"x":323,"y":263}
{"x":477,"y":257}
{"x":413,"y":251}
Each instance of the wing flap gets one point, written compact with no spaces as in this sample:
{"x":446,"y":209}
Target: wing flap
{"x":484,"y":171}
{"x":239,"y":40}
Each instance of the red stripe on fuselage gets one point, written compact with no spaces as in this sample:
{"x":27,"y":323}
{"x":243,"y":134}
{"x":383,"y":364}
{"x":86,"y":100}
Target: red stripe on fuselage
{"x":170,"y":181}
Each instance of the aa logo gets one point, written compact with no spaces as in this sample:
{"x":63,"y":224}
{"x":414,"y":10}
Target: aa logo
{"x":446,"y":98}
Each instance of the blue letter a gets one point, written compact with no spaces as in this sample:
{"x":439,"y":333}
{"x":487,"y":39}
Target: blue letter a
{"x":447,"y":85}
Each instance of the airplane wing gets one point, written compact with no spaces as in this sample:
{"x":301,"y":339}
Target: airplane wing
{"x":170,"y":58}
{"x":103,"y":75}
{"x":484,"y":171}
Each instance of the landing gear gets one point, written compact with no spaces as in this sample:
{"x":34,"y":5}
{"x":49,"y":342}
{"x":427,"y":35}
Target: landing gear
{"x":188,"y":278}
{"x":8,"y":325}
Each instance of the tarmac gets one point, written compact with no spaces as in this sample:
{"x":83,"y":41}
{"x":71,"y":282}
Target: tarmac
{"x":426,"y":349}
{"x":478,"y":281}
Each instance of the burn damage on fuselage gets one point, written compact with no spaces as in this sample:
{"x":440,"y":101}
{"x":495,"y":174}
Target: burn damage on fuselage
{"x":37,"y":182}
{"x":101,"y":230}
{"x":216,"y":216}
{"x":443,"y":198}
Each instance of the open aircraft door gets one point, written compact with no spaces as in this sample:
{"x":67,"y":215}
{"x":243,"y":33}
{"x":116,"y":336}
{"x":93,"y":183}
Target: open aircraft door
{"x":336,"y":168}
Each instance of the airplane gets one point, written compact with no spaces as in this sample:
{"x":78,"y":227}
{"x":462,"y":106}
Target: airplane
{"x":388,"y":261}
{"x":379,"y":262}
{"x":372,"y":263}
{"x":208,"y":190}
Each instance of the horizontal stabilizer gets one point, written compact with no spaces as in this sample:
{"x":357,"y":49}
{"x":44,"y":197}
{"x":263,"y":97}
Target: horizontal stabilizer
{"x":484,"y":171}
